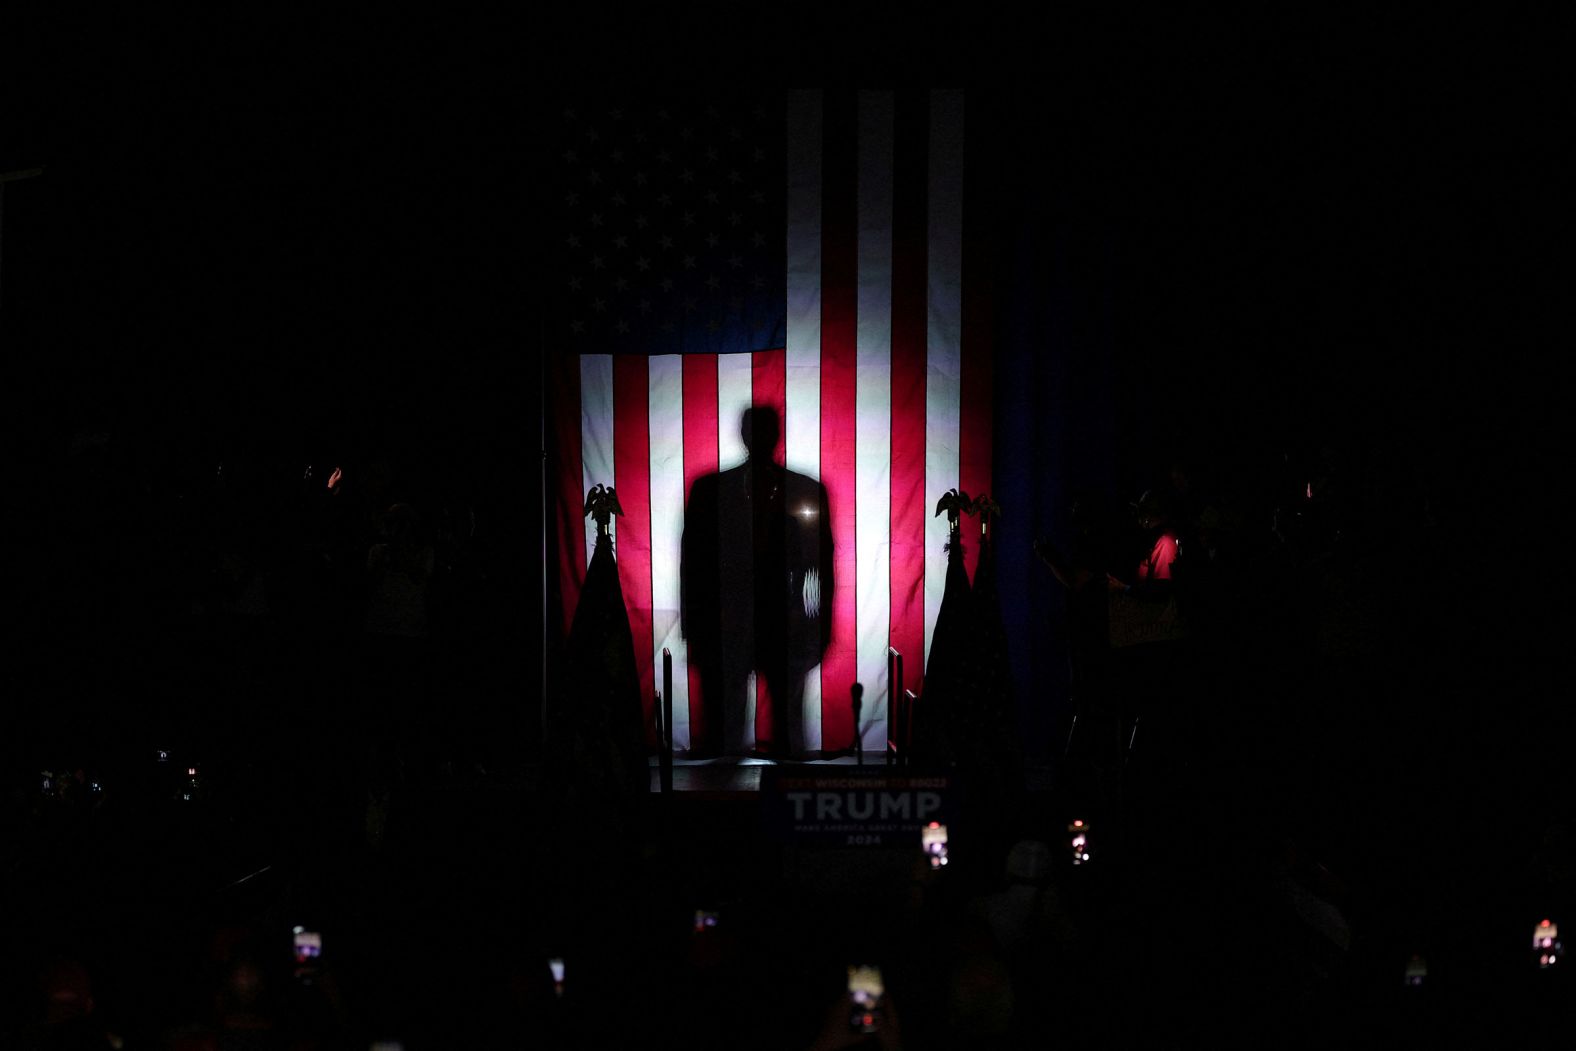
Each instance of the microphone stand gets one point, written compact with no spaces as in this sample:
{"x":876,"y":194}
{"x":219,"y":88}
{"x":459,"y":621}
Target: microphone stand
{"x":858,"y":694}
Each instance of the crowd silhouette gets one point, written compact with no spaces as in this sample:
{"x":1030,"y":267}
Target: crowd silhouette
{"x":1250,"y":662}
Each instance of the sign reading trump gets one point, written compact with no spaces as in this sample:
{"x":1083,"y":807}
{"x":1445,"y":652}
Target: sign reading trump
{"x":854,"y":810}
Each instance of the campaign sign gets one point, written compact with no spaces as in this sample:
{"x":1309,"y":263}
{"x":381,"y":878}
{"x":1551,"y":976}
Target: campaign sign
{"x":851,"y":808}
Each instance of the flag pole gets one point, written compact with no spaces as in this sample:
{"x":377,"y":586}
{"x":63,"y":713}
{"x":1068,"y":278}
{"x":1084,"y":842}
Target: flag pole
{"x":541,"y":392}
{"x":667,"y":720}
{"x":857,"y":696}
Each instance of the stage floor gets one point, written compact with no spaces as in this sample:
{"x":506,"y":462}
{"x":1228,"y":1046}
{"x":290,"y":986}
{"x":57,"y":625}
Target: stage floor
{"x":737,"y":775}
{"x":731,"y":775}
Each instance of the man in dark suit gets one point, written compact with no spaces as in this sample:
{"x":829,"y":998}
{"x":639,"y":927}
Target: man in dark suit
{"x":756,"y":582}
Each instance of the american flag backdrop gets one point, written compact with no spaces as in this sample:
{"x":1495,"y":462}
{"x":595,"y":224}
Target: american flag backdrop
{"x":822,"y":253}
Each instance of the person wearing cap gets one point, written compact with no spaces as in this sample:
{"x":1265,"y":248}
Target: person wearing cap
{"x":1154,"y":572}
{"x":1143,"y":608}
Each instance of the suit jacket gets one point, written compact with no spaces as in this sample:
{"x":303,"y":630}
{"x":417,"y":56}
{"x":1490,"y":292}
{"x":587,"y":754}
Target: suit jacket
{"x":756,"y":572}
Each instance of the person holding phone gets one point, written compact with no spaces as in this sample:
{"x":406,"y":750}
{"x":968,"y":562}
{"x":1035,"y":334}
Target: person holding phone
{"x":863,"y":1017}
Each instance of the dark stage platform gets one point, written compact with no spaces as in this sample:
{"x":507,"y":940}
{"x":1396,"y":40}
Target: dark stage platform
{"x":741,"y":776}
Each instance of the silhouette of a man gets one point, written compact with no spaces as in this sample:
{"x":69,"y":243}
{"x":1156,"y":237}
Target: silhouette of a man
{"x":756,"y":582}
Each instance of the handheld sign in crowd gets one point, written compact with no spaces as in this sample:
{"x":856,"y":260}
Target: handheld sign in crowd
{"x":850,"y":809}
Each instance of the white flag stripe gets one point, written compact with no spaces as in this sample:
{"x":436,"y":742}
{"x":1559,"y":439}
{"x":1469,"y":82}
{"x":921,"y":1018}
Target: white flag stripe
{"x":802,"y":429}
{"x":943,"y":340}
{"x":802,"y":401}
{"x":735,"y":389}
{"x":596,"y":434}
{"x":750,"y":736}
{"x":873,"y":386}
{"x":666,"y":399}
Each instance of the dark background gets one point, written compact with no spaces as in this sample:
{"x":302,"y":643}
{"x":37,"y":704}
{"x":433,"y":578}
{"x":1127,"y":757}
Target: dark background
{"x":267,"y":246}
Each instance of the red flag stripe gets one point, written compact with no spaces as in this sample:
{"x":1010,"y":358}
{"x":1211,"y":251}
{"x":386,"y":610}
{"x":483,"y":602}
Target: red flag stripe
{"x":769,"y":386}
{"x":700,"y":458}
